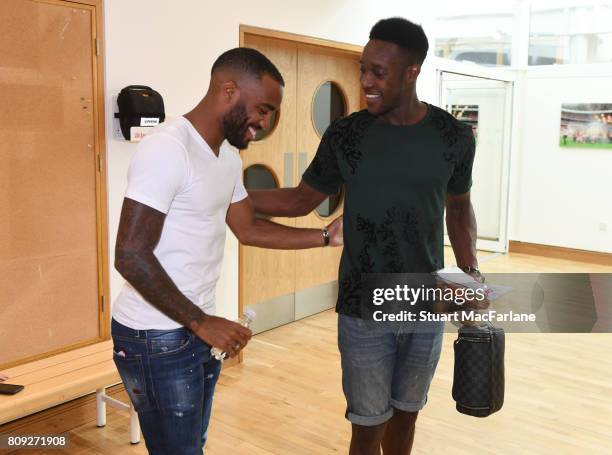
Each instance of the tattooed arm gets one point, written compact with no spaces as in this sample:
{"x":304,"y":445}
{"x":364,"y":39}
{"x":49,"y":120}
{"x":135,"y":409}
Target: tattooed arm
{"x":140,"y":228}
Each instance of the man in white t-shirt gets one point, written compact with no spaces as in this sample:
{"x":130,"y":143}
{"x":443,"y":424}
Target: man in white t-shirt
{"x":184,"y":185}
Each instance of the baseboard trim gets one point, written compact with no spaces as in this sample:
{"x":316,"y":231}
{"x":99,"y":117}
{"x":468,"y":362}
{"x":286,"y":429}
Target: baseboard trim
{"x":558,"y":252}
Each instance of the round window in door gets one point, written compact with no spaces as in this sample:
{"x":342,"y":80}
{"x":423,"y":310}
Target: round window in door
{"x":259,"y":177}
{"x":328,"y":105}
{"x":330,"y":204}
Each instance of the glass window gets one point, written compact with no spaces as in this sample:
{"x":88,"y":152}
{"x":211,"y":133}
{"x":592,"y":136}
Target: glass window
{"x":259,"y":177}
{"x":262,"y":134}
{"x":329,"y":205}
{"x":481,"y":34}
{"x":328,"y":105}
{"x":570,"y":32}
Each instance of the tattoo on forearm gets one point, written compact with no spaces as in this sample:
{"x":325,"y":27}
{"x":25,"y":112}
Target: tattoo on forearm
{"x":144,"y":272}
{"x":139,"y":232}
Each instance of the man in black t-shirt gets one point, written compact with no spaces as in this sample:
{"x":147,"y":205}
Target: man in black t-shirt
{"x":402,"y":162}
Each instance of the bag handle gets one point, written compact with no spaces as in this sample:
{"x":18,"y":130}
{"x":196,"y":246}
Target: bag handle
{"x":139,"y":87}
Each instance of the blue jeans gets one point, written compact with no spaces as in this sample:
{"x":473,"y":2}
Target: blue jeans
{"x":170,"y":377}
{"x":386,"y":366}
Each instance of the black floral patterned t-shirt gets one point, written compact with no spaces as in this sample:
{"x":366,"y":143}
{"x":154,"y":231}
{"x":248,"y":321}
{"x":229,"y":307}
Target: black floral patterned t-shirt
{"x":396,"y":179}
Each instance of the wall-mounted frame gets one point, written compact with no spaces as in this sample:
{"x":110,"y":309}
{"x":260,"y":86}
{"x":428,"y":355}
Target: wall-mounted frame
{"x":586,"y":126}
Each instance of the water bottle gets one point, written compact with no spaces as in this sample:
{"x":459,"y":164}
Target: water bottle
{"x":245,"y":321}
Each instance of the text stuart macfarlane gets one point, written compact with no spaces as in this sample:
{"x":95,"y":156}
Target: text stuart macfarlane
{"x":490,"y":316}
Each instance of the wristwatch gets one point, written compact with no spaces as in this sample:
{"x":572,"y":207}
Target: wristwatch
{"x":325,"y":237}
{"x":471,"y":270}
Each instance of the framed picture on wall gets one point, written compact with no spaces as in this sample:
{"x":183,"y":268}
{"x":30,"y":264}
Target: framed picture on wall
{"x":586,"y":126}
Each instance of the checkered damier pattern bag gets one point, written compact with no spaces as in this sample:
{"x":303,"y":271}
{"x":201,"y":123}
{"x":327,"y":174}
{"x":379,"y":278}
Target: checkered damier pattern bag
{"x":478,"y":383}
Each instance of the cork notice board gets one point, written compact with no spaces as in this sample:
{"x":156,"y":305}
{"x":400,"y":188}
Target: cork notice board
{"x":49,"y":264}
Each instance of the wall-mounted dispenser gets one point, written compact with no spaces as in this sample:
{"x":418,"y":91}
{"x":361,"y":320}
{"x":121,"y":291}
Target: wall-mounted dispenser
{"x":140,"y":108}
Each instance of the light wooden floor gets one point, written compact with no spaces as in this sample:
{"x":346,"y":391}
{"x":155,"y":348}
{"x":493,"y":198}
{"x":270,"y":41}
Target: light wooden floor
{"x":286,"y":397}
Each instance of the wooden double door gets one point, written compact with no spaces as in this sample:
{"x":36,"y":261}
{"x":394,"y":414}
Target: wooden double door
{"x":321,"y":83}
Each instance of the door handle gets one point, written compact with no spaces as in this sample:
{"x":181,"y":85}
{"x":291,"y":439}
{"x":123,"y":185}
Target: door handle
{"x":302,"y":163}
{"x":288,"y":170}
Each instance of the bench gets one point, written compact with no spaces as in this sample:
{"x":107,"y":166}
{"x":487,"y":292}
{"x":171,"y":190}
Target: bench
{"x":63,"y":377}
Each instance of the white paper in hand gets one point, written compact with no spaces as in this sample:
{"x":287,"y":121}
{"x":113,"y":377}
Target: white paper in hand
{"x":454,"y":275}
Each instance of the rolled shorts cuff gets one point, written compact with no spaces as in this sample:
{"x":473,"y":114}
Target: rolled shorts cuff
{"x":409,"y":407}
{"x":369,"y":421}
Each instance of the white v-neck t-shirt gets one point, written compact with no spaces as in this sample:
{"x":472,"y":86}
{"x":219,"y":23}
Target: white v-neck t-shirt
{"x":175,"y":172}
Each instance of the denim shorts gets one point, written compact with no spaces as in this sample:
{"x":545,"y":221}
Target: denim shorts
{"x":170,"y":377}
{"x":386,"y":366}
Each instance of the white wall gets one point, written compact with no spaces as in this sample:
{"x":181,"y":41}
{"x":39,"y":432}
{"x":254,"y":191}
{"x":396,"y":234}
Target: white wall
{"x":558,"y":196}
{"x":171,"y":45}
{"x":561,"y":195}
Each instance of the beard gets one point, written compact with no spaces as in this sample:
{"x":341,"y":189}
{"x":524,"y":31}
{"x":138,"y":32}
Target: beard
{"x":235,"y":125}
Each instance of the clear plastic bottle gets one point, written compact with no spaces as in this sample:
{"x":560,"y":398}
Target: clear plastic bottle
{"x":245,"y":321}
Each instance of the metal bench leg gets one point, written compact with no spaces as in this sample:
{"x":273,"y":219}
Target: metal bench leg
{"x":102,"y":399}
{"x":101,"y":407}
{"x":134,"y":426}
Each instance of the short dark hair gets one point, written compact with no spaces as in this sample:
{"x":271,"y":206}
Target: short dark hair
{"x":407,"y":35}
{"x":249,"y":61}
